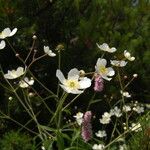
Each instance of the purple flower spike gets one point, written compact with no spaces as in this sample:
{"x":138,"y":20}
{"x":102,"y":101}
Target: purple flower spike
{"x":87,"y":127}
{"x":98,"y":84}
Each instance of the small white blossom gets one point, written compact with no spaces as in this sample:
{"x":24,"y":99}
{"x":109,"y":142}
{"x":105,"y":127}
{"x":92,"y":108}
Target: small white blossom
{"x":101,"y":133}
{"x":49,"y":52}
{"x":102,"y":70}
{"x":10,"y":98}
{"x":98,"y":147}
{"x":2,"y":44}
{"x":105,"y":47}
{"x":106,"y":118}
{"x":126,"y":108}
{"x":26,"y":82}
{"x":118,"y":63}
{"x":13,"y":74}
{"x":136,"y":127}
{"x":138,"y":109}
{"x":127,"y":55}
{"x":74,"y":84}
{"x":79,"y":118}
{"x":116,"y":111}
{"x":125,"y":94}
{"x":7,"y":33}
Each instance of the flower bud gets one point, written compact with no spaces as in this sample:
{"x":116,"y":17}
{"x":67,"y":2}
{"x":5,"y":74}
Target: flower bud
{"x":82,"y":73}
{"x":98,"y":84}
{"x":135,"y":75}
{"x":34,"y":37}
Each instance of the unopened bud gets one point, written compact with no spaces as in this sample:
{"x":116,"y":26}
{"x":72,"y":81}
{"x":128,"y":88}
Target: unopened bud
{"x":34,"y":37}
{"x":82,"y":73}
{"x":31,"y":94}
{"x":17,"y":55}
{"x":125,"y":77}
{"x":135,"y":75}
{"x":10,"y":98}
{"x":35,"y":51}
{"x":59,"y":47}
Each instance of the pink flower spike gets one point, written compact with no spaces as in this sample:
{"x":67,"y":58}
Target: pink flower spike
{"x":86,"y":126}
{"x":98,"y":84}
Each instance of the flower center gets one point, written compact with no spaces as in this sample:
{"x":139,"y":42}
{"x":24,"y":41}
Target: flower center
{"x":102,"y":69}
{"x":72,"y":84}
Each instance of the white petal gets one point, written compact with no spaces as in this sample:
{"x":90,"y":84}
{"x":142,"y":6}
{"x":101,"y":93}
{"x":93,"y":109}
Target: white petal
{"x":101,"y":62}
{"x":85,"y":83}
{"x":76,"y":91}
{"x":6,"y":32}
{"x":123,"y":63}
{"x":31,"y":82}
{"x":66,"y":89}
{"x":111,"y":71}
{"x":112,"y":50}
{"x":2,"y":44}
{"x":60,"y":76}
{"x":73,"y":74}
{"x":13,"y":32}
{"x":103,"y":47}
{"x":132,"y":58}
{"x":8,"y":76}
{"x":106,"y":78}
{"x":20,"y":71}
{"x":52,"y":54}
{"x":46,"y":49}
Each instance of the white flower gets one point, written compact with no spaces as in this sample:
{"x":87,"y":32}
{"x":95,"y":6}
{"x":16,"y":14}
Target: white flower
{"x":138,"y":109}
{"x":106,"y":48}
{"x":136,"y":127}
{"x":126,"y":108}
{"x":2,"y":44}
{"x":98,"y":147}
{"x":13,"y":74}
{"x":101,"y":133}
{"x":116,"y":111}
{"x":74,"y":84}
{"x":79,"y":118}
{"x":118,"y":63}
{"x":102,"y":70}
{"x":7,"y":33}
{"x":26,"y":82}
{"x":106,"y":118}
{"x":125,"y":94}
{"x":49,"y":52}
{"x":127,"y":55}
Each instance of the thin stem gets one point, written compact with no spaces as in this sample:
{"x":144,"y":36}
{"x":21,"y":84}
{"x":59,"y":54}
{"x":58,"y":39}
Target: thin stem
{"x":128,"y":83}
{"x":91,"y":100}
{"x":42,"y":84}
{"x":36,"y":59}
{"x":23,"y":126}
{"x":15,"y":52}
{"x":59,"y":67}
{"x":70,"y":102}
{"x":30,"y":50}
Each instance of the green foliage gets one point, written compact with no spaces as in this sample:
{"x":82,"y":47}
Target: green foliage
{"x":141,"y":140}
{"x":16,"y":141}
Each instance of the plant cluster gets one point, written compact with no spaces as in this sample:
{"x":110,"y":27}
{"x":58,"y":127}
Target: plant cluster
{"x":63,"y":129}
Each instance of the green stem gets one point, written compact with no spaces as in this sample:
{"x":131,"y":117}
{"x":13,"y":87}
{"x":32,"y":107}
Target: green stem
{"x":59,"y":67}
